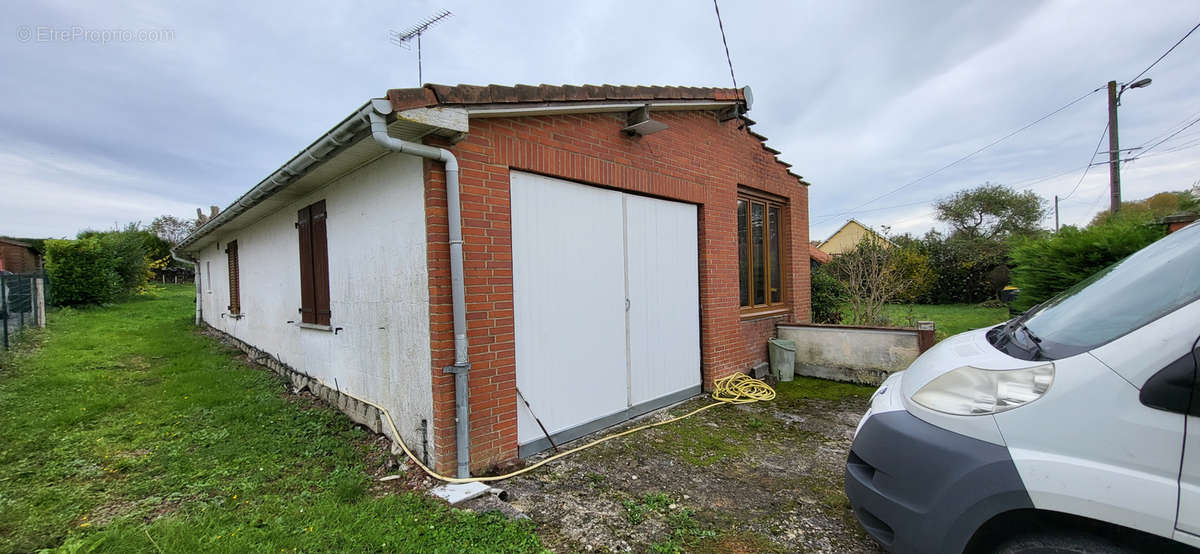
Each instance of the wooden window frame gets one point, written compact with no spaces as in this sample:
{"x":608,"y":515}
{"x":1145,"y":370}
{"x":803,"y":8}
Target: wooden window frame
{"x":235,"y":289}
{"x":314,"y":266}
{"x":767,"y":201}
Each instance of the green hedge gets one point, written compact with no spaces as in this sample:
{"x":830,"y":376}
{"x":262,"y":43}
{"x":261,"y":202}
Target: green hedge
{"x":83,"y":271}
{"x":828,"y":295}
{"x":1049,"y":265}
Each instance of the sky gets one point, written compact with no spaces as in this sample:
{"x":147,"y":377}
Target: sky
{"x":118,"y":112}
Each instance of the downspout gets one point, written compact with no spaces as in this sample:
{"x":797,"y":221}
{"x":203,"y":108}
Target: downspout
{"x":457,"y":292}
{"x":195,"y":280}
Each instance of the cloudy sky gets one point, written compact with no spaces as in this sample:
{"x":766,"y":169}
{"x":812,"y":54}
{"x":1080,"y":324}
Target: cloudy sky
{"x":190,"y":104}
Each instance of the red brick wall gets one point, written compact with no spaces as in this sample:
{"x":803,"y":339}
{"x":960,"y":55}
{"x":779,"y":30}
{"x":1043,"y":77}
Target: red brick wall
{"x":697,"y":160}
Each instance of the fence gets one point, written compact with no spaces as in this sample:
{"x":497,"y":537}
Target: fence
{"x":22,"y":303}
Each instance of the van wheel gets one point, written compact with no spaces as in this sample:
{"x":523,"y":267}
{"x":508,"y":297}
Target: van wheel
{"x":1060,"y":543}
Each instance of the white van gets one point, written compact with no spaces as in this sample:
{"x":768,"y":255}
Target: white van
{"x":1073,"y":428}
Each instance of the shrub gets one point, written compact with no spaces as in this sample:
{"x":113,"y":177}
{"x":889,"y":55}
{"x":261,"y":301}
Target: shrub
{"x":1049,"y":265}
{"x":965,"y":270}
{"x":916,"y":275}
{"x":828,"y":295}
{"x":82,"y":272}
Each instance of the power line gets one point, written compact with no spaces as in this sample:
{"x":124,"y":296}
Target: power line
{"x":1089,"y":165}
{"x":1160,"y":58}
{"x":1169,"y":137}
{"x":726,"y":43}
{"x":977,"y":151}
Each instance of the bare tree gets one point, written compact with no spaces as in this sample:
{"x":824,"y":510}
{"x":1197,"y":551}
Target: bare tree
{"x":871,"y":279}
{"x":172,"y":229}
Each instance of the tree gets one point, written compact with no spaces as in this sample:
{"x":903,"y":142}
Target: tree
{"x":871,"y":280}
{"x":992,"y":211}
{"x":172,"y":229}
{"x":1148,"y":210}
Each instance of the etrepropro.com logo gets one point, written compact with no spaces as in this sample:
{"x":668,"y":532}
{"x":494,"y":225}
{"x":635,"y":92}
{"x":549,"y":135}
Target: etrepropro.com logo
{"x":94,"y":35}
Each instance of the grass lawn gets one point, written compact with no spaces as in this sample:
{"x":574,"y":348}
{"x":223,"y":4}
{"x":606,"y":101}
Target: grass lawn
{"x":951,"y":319}
{"x":122,"y":429}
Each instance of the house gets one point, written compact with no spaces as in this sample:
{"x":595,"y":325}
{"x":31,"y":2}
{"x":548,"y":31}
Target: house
{"x":1178,"y":221}
{"x":817,"y":257}
{"x":848,"y":236}
{"x":450,"y":252}
{"x":18,"y":257}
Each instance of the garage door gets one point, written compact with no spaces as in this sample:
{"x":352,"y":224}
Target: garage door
{"x":606,"y":306}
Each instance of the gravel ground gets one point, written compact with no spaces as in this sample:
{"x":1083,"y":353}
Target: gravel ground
{"x":751,"y":478}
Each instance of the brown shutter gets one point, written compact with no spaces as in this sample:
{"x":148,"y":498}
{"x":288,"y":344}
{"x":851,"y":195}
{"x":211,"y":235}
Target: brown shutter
{"x":320,"y":258}
{"x":308,"y":310}
{"x":235,"y":292}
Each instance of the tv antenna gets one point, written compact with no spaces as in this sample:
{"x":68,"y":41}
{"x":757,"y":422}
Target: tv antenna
{"x":404,"y":38}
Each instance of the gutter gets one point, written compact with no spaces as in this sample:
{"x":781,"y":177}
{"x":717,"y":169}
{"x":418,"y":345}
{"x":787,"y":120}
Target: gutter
{"x":331,"y":143}
{"x":461,"y":366}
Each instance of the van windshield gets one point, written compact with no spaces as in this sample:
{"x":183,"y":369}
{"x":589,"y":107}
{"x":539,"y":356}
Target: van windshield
{"x":1149,"y":284}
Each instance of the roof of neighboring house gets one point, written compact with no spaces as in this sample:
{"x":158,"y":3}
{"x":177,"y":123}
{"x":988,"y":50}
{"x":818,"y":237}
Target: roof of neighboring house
{"x":1180,"y":218}
{"x":445,"y":109}
{"x":16,"y":242}
{"x":818,"y":255}
{"x":854,"y":222}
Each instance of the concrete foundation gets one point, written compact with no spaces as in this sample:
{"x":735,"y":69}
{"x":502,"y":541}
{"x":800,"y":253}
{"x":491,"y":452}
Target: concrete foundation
{"x":359,"y":412}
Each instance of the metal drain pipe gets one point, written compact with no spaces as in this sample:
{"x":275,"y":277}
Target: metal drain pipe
{"x":462,"y":366}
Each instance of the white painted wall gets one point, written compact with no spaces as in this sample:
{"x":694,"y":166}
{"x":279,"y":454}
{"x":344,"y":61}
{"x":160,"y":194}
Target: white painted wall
{"x":378,"y":287}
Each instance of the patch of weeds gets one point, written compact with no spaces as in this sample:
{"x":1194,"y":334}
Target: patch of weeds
{"x":686,"y":532}
{"x":755,"y":423}
{"x":637,"y":510}
{"x":737,"y":541}
{"x":595,"y":480}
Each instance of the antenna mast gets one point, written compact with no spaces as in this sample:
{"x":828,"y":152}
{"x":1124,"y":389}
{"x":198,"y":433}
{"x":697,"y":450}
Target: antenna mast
{"x":404,"y":38}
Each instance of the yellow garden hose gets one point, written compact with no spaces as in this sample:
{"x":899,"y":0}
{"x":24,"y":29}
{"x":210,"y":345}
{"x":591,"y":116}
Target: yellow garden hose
{"x":738,"y":388}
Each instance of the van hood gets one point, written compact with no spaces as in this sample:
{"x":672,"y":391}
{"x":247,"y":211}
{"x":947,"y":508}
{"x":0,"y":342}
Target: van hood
{"x":964,"y":349}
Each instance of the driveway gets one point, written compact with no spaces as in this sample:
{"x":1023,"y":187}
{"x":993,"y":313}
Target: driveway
{"x":748,"y":478}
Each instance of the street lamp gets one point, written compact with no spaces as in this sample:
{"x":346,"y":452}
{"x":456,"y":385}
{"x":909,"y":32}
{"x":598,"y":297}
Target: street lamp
{"x":1114,"y":148}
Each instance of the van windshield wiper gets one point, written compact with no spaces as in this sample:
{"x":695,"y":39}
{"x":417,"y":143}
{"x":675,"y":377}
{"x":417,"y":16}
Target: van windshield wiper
{"x":1034,"y":341}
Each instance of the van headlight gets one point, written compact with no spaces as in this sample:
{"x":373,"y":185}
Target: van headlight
{"x":974,"y":391}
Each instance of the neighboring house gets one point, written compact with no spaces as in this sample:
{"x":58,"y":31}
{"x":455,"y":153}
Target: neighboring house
{"x":606,"y":270}
{"x":18,"y":257}
{"x":848,"y":236}
{"x":817,"y":257}
{"x":1176,"y":222}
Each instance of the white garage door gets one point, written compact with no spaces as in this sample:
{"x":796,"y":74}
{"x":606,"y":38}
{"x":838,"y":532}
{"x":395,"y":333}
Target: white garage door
{"x":606,"y":298}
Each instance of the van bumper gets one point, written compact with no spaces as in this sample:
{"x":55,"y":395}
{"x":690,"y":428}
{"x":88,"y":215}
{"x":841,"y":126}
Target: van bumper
{"x":916,"y":487}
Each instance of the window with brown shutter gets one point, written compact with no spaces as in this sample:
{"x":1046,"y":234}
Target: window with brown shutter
{"x":314,"y":264}
{"x":235,"y":292}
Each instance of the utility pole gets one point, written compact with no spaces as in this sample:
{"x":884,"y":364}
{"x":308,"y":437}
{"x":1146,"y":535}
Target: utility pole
{"x":1114,"y":150}
{"x":1055,"y":213}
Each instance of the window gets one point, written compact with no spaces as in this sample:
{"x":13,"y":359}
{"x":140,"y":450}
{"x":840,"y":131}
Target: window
{"x":208,"y":276}
{"x":235,"y":293}
{"x":314,"y":264}
{"x":760,"y":253}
